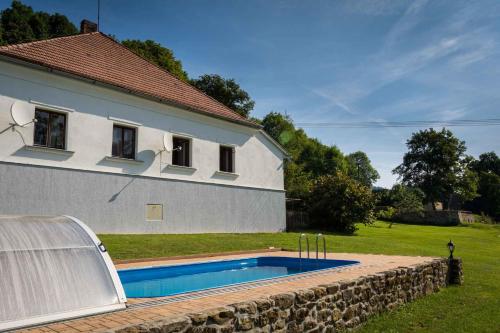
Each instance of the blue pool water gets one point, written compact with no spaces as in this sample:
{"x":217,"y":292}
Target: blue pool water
{"x":177,"y":279}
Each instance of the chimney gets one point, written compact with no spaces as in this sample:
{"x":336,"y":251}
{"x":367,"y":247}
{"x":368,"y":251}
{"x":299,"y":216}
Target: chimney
{"x":87,"y":26}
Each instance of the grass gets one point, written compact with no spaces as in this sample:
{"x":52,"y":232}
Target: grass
{"x":473,"y":307}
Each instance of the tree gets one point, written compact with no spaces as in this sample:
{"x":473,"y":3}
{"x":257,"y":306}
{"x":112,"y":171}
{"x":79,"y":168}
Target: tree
{"x":467,"y":181}
{"x":39,"y":23}
{"x":158,"y":55}
{"x":487,"y":169}
{"x":360,"y":168}
{"x":60,"y":25}
{"x":226,"y":91}
{"x":309,"y":157}
{"x":15,"y":23}
{"x":280,"y":127}
{"x":337,"y":202}
{"x":436,"y":163}
{"x":407,"y":200}
{"x":319,"y":159}
{"x":488,"y":162}
{"x":382,"y":196}
{"x":489,"y":190}
{"x":20,"y":24}
{"x":298,"y":182}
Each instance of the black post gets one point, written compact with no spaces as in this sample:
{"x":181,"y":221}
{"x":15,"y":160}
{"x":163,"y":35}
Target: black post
{"x":455,"y":272}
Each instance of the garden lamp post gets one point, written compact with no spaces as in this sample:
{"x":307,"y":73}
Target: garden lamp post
{"x":451,"y":247}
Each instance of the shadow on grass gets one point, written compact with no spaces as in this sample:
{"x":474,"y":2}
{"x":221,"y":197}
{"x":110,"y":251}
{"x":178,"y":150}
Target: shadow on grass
{"x":392,"y":223}
{"x":316,"y":231}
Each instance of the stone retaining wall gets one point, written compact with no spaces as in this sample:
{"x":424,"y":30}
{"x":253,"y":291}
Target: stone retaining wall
{"x":431,"y":217}
{"x":327,"y":308}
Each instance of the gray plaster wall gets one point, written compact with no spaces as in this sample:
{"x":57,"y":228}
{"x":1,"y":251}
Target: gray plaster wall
{"x":114,"y":203}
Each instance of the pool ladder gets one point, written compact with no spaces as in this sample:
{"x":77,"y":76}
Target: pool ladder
{"x":318,"y":237}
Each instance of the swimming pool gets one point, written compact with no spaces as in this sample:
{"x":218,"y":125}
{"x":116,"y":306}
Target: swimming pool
{"x":177,"y":279}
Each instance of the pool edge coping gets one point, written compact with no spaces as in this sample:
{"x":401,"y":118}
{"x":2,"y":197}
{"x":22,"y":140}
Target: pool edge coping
{"x":194,"y":256}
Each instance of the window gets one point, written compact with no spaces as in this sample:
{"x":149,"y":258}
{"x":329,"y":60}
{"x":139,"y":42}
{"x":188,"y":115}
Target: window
{"x":123,"y":142}
{"x":226,"y":159}
{"x":181,"y":155}
{"x":50,"y":129}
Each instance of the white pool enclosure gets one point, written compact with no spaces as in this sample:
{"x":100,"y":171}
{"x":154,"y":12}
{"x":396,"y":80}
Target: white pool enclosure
{"x":53,"y":268}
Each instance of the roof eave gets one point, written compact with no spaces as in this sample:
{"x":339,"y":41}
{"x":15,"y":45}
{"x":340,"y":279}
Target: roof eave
{"x":23,"y":62}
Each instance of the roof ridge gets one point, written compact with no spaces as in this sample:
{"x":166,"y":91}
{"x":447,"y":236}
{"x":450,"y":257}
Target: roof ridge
{"x":179,"y":80}
{"x":41,"y":41}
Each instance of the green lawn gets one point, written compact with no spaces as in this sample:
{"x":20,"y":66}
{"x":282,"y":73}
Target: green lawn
{"x":473,"y":307}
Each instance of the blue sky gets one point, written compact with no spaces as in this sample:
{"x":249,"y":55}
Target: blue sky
{"x":333,"y":61}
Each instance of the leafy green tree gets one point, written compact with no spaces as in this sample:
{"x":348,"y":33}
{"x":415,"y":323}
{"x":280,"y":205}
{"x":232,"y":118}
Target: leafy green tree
{"x":487,"y":168}
{"x":226,"y":91}
{"x":360,"y":168}
{"x":298,"y":182}
{"x":16,"y":27}
{"x":488,"y":162}
{"x":20,"y":24}
{"x":158,"y":55}
{"x":280,"y":127}
{"x":60,"y":25}
{"x":337,"y":202}
{"x":319,"y":159}
{"x":467,"y":181}
{"x":382,"y":196}
{"x":407,"y":200}
{"x":39,"y":23}
{"x":436,"y":163}
{"x":309,"y":157}
{"x":489,"y":190}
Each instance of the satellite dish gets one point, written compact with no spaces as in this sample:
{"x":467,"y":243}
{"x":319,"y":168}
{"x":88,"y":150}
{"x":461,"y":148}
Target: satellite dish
{"x":22,"y":113}
{"x":167,"y":142}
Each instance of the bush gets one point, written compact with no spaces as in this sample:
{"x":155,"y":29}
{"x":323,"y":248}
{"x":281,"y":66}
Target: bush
{"x":407,"y":200}
{"x":337,"y":202}
{"x":483,"y":218}
{"x":386,"y":214}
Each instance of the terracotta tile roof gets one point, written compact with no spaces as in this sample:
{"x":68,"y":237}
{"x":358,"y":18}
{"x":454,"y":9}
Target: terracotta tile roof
{"x":98,"y":57}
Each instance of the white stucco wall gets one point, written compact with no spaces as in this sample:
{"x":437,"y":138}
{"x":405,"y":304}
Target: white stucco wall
{"x":259,"y":163}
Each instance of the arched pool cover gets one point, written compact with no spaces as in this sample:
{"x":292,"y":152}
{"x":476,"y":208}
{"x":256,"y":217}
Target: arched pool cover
{"x":53,"y":268}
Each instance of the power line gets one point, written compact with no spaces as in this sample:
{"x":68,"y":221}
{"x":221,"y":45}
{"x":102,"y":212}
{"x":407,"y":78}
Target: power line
{"x":409,"y":123}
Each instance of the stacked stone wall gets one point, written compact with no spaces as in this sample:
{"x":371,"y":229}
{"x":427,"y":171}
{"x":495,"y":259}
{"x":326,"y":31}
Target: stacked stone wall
{"x":335,"y":307}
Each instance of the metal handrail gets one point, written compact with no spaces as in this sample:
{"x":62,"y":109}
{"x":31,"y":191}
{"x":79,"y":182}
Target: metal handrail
{"x":300,"y":245}
{"x":318,"y":236}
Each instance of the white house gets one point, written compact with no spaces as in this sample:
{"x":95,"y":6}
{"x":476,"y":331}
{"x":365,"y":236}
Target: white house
{"x":126,"y":147}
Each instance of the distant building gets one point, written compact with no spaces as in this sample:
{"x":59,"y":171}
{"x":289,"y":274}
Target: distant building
{"x":439,"y":206}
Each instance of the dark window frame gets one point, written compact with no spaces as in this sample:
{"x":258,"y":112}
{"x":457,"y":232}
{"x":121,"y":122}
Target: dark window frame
{"x":120,"y":153}
{"x":182,"y":157}
{"x":226,"y":165}
{"x":48,"y":130}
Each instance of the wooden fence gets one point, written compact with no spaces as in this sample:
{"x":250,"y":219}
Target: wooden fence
{"x":296,"y":220}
